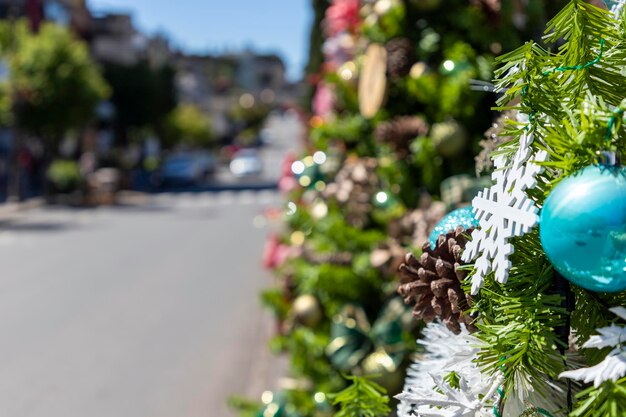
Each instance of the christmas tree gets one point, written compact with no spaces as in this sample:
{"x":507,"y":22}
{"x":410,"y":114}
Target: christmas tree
{"x":547,"y":274}
{"x":401,"y":103}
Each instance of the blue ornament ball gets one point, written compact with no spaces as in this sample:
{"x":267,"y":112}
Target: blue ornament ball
{"x":459,"y":217}
{"x":582,"y":228}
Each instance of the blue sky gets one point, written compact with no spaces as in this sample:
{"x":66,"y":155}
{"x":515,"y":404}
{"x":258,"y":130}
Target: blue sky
{"x":280,"y":26}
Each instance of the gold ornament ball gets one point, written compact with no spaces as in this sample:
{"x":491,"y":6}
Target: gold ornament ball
{"x":449,"y":138}
{"x":307,"y":310}
{"x":384,"y":371}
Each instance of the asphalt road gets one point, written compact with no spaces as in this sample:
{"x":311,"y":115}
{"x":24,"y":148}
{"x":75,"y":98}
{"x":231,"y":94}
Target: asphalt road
{"x":143,"y":311}
{"x":146,"y":311}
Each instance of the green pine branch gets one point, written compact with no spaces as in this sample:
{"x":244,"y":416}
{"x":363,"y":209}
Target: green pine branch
{"x":519,"y":320}
{"x":363,"y":398}
{"x":608,"y":400}
{"x":572,"y":90}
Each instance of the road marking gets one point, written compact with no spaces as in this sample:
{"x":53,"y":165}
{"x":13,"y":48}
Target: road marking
{"x":246,"y":198}
{"x":267,"y":197}
{"x":207,"y":199}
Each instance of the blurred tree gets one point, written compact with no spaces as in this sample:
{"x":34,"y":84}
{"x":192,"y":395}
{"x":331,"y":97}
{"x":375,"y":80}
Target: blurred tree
{"x":143,"y":96}
{"x":187,"y":125}
{"x":251,"y":118}
{"x":316,"y":40}
{"x":54,"y":84}
{"x":64,"y":175}
{"x":316,"y":37}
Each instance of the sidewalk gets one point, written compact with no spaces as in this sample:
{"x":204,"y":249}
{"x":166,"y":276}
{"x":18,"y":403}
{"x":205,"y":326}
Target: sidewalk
{"x":10,"y":210}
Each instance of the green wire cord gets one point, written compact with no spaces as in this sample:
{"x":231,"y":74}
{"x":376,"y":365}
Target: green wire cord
{"x":579,"y":67}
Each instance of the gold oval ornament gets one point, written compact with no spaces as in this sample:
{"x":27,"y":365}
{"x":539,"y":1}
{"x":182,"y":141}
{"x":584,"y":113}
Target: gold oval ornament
{"x":373,"y":80}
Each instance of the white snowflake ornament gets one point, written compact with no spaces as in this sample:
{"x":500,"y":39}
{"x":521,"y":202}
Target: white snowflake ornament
{"x":613,"y":367}
{"x":504,"y":211}
{"x":617,"y":7}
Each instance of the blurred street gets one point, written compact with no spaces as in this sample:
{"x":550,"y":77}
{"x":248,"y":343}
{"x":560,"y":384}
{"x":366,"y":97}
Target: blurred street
{"x":285,"y":132}
{"x":134,"y":312}
{"x":138,"y":184}
{"x":144,"y":310}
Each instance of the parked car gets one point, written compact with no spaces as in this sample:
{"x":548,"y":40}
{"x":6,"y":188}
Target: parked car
{"x":246,"y":162}
{"x":187,"y":168}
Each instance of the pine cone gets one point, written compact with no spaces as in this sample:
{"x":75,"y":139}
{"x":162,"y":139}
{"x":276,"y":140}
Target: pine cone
{"x":399,"y":132}
{"x":387,"y":258}
{"x":415,"y":226}
{"x":400,"y":57}
{"x":354,"y":188}
{"x":433,"y":283}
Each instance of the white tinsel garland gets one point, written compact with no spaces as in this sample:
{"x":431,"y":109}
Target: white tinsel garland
{"x":427,"y":394}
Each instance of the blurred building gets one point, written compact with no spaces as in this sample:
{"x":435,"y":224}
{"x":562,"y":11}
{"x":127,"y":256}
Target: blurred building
{"x":217,"y":83}
{"x":200,"y":76}
{"x":114,"y":39}
{"x":73,"y":13}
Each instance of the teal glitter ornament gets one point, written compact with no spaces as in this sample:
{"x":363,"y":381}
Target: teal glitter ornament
{"x":582,"y":228}
{"x":459,"y":217}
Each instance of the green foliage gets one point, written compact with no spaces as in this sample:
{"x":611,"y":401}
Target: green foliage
{"x":426,"y":157}
{"x":573,"y":91}
{"x":519,"y":319}
{"x":188,"y":125}
{"x":444,"y":92}
{"x":453,"y":379}
{"x":6,"y":116}
{"x":244,"y":406}
{"x":307,"y":348}
{"x":143,"y":96}
{"x":346,"y":95}
{"x":608,"y":400}
{"x":316,"y":41}
{"x":590,"y":313}
{"x":251,"y":117}
{"x":55,"y":84}
{"x":335,"y":234}
{"x":522,"y":318}
{"x":274,"y":299}
{"x":64,"y":174}
{"x":388,"y":25}
{"x":363,"y":398}
{"x":336,"y":285}
{"x":353,"y":130}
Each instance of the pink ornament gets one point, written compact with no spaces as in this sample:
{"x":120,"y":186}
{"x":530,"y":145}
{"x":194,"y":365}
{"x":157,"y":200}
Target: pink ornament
{"x":323,"y":101}
{"x":285,"y":169}
{"x":287,"y":181}
{"x":342,"y":15}
{"x":275,"y":253}
{"x":287,"y":184}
